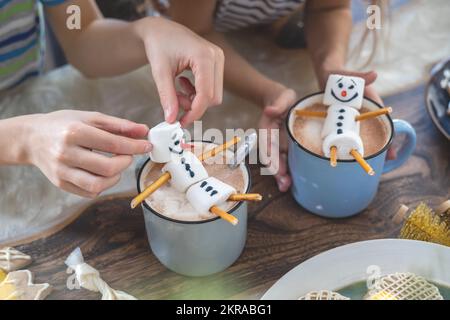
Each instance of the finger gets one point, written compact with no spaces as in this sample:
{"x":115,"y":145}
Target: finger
{"x":369,"y":76}
{"x":119,"y":126}
{"x":219,"y":76}
{"x":282,"y":177}
{"x":96,"y":139}
{"x":391,"y":154}
{"x":184,"y":101}
{"x":164,"y":80}
{"x":204,"y":87}
{"x":187,"y":87}
{"x":70,"y":187}
{"x":89,"y":182}
{"x":96,"y":163}
{"x":371,"y":93}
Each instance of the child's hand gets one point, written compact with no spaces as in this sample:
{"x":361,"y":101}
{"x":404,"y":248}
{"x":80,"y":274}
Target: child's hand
{"x":277,"y":105}
{"x":171,"y":49}
{"x":64,"y":145}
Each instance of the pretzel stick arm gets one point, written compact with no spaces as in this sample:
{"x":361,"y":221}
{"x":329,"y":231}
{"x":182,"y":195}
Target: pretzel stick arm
{"x":309,"y":113}
{"x":373,"y":114}
{"x":150,"y":189}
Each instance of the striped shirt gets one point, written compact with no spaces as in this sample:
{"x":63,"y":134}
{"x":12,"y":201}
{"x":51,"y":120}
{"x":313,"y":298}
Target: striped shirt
{"x":22,"y":40}
{"x":237,"y":14}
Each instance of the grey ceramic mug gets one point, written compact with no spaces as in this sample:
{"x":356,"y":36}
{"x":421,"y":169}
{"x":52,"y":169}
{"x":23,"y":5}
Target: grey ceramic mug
{"x":195,"y":248}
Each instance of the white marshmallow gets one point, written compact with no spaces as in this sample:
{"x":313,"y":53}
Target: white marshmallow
{"x":340,"y":117}
{"x":166,"y":139}
{"x":344,"y":143}
{"x":344,"y":90}
{"x":207,"y":193}
{"x":185,"y":169}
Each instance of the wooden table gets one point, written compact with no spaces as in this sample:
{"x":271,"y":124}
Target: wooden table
{"x":280,"y":233}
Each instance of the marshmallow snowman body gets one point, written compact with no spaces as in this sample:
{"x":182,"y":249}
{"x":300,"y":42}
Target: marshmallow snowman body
{"x":208,"y":193}
{"x":185,"y":170}
{"x":166,"y":140}
{"x":340,"y":119}
{"x":344,"y":95}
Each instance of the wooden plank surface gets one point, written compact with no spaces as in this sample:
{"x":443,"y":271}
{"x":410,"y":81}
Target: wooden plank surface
{"x":281,"y":234}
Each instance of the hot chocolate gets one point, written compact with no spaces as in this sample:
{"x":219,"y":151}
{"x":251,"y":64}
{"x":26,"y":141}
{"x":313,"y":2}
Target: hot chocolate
{"x":307,"y":131}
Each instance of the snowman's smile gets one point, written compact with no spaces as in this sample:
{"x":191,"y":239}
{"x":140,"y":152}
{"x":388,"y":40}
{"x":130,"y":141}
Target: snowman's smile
{"x":342,"y":100}
{"x":176,"y":151}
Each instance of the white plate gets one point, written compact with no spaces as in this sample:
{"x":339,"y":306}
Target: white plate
{"x":346,"y":265}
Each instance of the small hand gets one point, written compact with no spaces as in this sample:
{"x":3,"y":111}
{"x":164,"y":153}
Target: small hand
{"x":171,"y":49}
{"x":65,"y":146}
{"x":277,"y":105}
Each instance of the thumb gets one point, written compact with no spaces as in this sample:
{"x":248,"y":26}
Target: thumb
{"x":273,"y":111}
{"x":369,"y":76}
{"x":165,"y":82}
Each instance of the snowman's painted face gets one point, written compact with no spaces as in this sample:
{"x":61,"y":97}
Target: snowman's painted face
{"x":176,"y":141}
{"x":343,"y":90}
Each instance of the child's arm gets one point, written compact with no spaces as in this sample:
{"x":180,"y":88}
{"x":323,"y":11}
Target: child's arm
{"x":64,"y":145}
{"x":107,"y":47}
{"x":328,"y":27}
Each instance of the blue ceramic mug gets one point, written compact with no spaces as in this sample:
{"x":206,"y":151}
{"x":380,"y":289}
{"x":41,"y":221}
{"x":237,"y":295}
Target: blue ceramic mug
{"x":347,"y":189}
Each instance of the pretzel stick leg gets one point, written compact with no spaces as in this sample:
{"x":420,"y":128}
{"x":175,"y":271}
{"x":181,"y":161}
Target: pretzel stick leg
{"x":362,"y":162}
{"x":150,"y":189}
{"x":245,"y":197}
{"x":224,"y":215}
{"x":373,"y":114}
{"x":333,"y":156}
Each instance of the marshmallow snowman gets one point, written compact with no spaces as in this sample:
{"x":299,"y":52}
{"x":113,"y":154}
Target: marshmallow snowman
{"x":208,"y":193}
{"x":185,"y":170}
{"x":344,"y":95}
{"x":166,"y":139}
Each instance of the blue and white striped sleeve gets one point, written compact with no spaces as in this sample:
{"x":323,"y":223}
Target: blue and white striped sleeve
{"x":52,"y":3}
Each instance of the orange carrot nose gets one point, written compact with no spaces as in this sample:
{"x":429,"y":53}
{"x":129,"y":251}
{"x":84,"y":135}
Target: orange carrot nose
{"x":186,"y":145}
{"x":344,"y":93}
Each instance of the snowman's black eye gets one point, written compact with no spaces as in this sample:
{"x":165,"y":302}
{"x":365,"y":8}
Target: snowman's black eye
{"x":340,"y":85}
{"x":351,"y":87}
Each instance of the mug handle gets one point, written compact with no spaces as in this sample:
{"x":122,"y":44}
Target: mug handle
{"x":401,"y":126}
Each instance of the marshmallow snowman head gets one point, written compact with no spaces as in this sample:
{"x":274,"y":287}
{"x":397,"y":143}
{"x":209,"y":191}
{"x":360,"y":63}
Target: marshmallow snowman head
{"x":185,"y":170}
{"x":344,"y":91}
{"x":166,"y":139}
{"x":207,"y":193}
